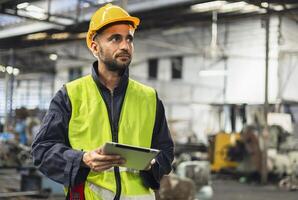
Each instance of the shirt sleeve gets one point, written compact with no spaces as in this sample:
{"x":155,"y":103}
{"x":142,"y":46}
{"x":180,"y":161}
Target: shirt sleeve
{"x":161,"y":140}
{"x":51,"y":150}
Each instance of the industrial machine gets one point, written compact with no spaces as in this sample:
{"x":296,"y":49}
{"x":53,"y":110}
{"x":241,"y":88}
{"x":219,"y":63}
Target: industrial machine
{"x":218,"y":151}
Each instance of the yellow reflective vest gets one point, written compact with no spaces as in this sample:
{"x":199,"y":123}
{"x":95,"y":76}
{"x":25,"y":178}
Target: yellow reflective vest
{"x":90,"y":128}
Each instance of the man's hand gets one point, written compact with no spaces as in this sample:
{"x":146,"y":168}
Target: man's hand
{"x":98,"y":161}
{"x":150,"y":164}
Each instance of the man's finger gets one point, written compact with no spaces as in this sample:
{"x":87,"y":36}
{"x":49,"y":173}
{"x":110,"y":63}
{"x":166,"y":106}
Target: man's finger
{"x":103,"y":167}
{"x":150,"y":164}
{"x":103,"y":158}
{"x":153,"y":161}
{"x":106,"y":162}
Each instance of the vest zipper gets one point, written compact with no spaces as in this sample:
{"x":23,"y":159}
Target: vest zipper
{"x":115,"y":139}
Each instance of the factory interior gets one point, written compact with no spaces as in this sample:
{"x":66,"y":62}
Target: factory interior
{"x":224,"y":70}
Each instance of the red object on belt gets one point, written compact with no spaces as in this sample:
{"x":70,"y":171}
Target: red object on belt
{"x":77,"y":192}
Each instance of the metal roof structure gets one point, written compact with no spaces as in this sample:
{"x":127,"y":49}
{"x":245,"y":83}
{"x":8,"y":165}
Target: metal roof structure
{"x":29,"y":27}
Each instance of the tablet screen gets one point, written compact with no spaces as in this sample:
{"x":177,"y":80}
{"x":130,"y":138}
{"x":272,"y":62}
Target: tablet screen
{"x":136,"y":157}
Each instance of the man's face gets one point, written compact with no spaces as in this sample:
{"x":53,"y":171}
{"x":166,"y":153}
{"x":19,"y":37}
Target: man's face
{"x":115,"y":46}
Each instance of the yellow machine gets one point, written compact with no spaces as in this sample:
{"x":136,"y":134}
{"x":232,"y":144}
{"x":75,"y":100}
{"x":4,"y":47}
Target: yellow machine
{"x":218,"y":151}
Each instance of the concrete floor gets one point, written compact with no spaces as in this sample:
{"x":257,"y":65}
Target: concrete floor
{"x":224,"y":189}
{"x":233,"y":190}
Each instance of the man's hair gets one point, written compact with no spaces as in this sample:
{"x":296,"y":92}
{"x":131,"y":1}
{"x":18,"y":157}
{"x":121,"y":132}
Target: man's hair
{"x":98,"y":32}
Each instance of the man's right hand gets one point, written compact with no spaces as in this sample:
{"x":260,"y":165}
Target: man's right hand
{"x":98,"y":161}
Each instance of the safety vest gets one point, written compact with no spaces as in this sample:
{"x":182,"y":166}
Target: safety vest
{"x":90,"y":128}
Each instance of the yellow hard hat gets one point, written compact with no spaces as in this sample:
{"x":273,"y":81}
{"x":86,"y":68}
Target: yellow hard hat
{"x":106,"y":15}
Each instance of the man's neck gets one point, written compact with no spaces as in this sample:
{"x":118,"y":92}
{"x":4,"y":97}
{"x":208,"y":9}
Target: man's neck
{"x":108,"y":78}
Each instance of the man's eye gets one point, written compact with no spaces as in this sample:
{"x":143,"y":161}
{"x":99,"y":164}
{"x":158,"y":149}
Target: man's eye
{"x":116,"y":39}
{"x":130,"y":39}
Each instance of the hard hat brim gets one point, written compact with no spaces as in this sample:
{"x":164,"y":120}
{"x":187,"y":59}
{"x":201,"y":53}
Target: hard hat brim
{"x":90,"y":34}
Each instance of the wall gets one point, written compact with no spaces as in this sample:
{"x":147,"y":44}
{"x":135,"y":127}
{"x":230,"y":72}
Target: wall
{"x":241,"y":41}
{"x":288,"y":60}
{"x":243,"y":44}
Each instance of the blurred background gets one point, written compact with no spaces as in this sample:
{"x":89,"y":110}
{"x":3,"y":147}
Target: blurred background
{"x":225,"y":70}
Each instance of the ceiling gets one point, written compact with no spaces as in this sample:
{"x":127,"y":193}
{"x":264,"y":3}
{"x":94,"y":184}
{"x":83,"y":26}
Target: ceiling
{"x":29,"y":27}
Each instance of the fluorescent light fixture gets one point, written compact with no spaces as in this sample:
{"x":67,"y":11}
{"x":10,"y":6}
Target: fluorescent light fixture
{"x":232,"y":7}
{"x":9,"y":69}
{"x":207,"y":73}
{"x":278,"y":7}
{"x":251,"y":8}
{"x":82,"y":35}
{"x":37,"y":36}
{"x":37,"y":15}
{"x":60,"y":36}
{"x":208,"y":6}
{"x":225,"y":7}
{"x":36,"y":12}
{"x":22,"y":5}
{"x":53,"y":56}
{"x":33,"y":8}
{"x":15,"y":71}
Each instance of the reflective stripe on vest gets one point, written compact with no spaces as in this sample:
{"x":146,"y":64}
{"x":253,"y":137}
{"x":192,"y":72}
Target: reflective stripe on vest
{"x":89,"y":127}
{"x":108,"y":195}
{"x":124,"y":169}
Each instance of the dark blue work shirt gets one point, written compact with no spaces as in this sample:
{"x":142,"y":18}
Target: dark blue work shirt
{"x":54,"y":157}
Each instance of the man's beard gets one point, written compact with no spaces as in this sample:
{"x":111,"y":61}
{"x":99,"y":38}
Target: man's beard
{"x":112,"y":64}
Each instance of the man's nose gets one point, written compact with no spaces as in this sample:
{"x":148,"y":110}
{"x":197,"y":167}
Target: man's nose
{"x":124,"y":45}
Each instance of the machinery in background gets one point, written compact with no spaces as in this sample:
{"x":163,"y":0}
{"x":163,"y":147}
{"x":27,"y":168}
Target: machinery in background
{"x":240,"y":153}
{"x":219,"y":146}
{"x":21,"y":153}
{"x":16,"y":161}
{"x":191,"y":175}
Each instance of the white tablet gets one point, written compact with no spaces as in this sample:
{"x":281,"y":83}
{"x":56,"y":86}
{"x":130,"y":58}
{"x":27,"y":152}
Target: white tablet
{"x":136,"y":157}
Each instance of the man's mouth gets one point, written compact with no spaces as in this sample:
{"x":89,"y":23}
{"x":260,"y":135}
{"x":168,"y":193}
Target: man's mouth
{"x":123,"y":55}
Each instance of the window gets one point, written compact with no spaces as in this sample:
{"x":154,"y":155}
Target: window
{"x":176,"y":67}
{"x":74,"y":73}
{"x":152,"y":68}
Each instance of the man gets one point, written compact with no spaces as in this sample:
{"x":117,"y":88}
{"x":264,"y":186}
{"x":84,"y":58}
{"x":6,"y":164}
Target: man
{"x":104,"y":106}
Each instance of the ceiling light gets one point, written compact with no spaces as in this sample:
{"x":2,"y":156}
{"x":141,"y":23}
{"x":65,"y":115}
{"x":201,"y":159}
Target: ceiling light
{"x":53,"y":56}
{"x":251,"y":8}
{"x":2,"y":68}
{"x":22,"y":5}
{"x":35,"y":15}
{"x":265,"y":4}
{"x":82,"y":35}
{"x":36,"y":12}
{"x":33,"y":8}
{"x":209,"y":6}
{"x":9,"y":69}
{"x":37,"y":36}
{"x":278,"y":7}
{"x":232,"y":7}
{"x":207,"y":73}
{"x":60,"y":36}
{"x":15,"y":71}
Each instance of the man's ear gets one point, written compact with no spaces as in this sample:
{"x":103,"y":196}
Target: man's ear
{"x":94,"y":48}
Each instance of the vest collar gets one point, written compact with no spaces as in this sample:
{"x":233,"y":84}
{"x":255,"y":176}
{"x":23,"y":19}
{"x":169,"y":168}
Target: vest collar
{"x":122,"y":83}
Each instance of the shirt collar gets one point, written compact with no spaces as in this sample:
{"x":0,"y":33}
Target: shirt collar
{"x":122,"y":83}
